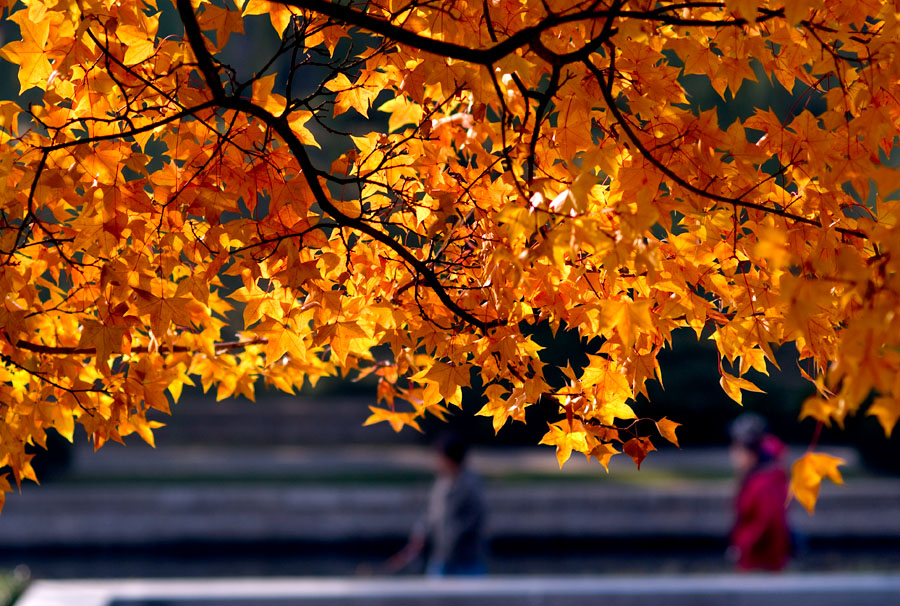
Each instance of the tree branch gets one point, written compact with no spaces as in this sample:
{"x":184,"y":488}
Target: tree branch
{"x":606,"y":90}
{"x":487,"y":56}
{"x":195,"y":39}
{"x":59,"y":350}
{"x":281,"y":126}
{"x":345,"y":14}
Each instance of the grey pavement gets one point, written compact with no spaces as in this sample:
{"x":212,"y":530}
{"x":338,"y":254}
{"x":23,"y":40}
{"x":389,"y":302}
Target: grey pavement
{"x":724,"y":590}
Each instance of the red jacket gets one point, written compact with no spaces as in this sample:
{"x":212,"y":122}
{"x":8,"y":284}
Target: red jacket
{"x":761,"y":534}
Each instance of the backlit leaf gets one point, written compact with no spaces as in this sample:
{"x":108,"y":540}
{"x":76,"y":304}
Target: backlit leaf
{"x":807,"y":473}
{"x":667,"y":429}
{"x":637,"y":449}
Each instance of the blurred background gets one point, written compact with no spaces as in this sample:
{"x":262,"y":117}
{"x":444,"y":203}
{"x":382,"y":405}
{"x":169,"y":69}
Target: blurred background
{"x":295,"y":485}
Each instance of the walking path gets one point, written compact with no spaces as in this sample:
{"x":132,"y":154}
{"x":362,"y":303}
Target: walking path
{"x":719,"y":590}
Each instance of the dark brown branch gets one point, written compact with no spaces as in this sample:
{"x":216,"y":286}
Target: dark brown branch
{"x":488,"y":21}
{"x":606,"y":89}
{"x":58,"y":350}
{"x":344,"y":14}
{"x":281,"y":126}
{"x":487,"y":56}
{"x":40,"y":376}
{"x":282,"y":237}
{"x":131,"y":132}
{"x":29,"y":215}
{"x":198,"y":45}
{"x":283,"y":129}
{"x":544,"y":102}
{"x":583,"y":53}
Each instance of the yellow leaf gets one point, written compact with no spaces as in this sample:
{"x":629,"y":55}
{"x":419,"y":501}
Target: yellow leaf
{"x":30,"y":53}
{"x":344,"y":338}
{"x":733,"y":386}
{"x":224,"y":21}
{"x":608,"y":411}
{"x":397,"y":420}
{"x":602,"y":373}
{"x":264,"y":97}
{"x":449,"y":378}
{"x":887,"y":411}
{"x":9,"y":115}
{"x":403,"y":111}
{"x":603,"y":452}
{"x":496,"y":406}
{"x":807,"y":473}
{"x":667,"y":429}
{"x":63,"y":421}
{"x":144,"y":428}
{"x":4,"y":488}
{"x":259,"y":306}
{"x":139,"y":46}
{"x":254,"y":7}
{"x":339,"y":83}
{"x":163,"y":311}
{"x":281,"y":339}
{"x":756,"y":359}
{"x":572,"y":133}
{"x":280,"y":16}
{"x":296,"y":120}
{"x":628,"y":318}
{"x":358,"y":96}
{"x":819,"y":408}
{"x":106,"y":339}
{"x":563,"y":440}
{"x":796,"y":11}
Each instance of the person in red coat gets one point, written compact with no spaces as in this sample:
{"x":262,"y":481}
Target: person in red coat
{"x":761,"y":536}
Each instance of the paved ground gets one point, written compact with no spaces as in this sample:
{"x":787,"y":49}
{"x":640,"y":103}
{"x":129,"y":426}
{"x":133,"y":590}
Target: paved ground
{"x":721,"y":590}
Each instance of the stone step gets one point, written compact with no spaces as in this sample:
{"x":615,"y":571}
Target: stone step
{"x":141,"y":515}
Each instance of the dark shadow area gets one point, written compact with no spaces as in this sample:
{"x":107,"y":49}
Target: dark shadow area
{"x":509,"y":556}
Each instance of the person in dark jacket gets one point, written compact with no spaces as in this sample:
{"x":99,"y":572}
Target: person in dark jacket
{"x":452,"y":529}
{"x":761,"y":536}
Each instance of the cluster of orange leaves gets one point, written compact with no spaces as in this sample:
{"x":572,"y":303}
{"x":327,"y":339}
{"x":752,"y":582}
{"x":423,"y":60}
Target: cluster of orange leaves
{"x":541,"y":165}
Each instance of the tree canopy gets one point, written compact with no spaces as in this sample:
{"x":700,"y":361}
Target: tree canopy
{"x":492,"y":166}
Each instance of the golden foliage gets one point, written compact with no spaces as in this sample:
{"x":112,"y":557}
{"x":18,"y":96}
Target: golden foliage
{"x":542,"y":165}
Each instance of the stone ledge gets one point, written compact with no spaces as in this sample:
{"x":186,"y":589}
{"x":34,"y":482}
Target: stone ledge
{"x":710,"y":590}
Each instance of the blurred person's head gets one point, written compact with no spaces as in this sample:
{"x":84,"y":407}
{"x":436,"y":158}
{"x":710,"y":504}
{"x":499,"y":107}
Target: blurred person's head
{"x":451,"y":449}
{"x":751,"y":443}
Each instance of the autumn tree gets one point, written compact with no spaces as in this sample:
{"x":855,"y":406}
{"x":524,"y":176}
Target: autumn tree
{"x":511,"y":164}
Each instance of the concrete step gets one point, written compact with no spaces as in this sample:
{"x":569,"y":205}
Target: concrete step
{"x":140,"y":515}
